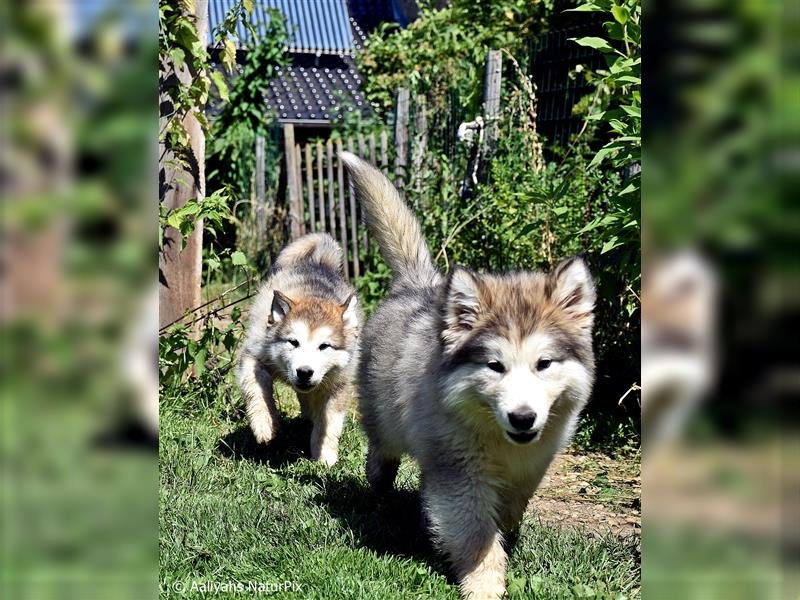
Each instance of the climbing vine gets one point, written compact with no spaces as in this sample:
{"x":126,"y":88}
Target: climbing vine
{"x":185,"y":83}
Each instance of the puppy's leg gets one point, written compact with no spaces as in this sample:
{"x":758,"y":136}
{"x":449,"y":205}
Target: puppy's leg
{"x":381,"y":470}
{"x":512,"y":508}
{"x":328,"y":417}
{"x":256,"y":386}
{"x":460,"y":512}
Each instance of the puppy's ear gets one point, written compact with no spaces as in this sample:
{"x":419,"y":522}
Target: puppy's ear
{"x":281,"y":305}
{"x":462,"y":307}
{"x":572,"y":290}
{"x":350,"y":312}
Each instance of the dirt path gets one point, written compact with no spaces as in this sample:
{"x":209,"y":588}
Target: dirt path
{"x":593,"y":491}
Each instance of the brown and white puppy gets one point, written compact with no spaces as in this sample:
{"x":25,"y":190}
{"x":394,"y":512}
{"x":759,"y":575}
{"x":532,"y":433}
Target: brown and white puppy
{"x":478,"y":377}
{"x":303,"y":329}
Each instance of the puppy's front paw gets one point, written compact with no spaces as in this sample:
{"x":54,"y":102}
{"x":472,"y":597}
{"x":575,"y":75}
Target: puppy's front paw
{"x":327,"y":457}
{"x":263,"y":430}
{"x":483,"y":592}
{"x":486,"y":586}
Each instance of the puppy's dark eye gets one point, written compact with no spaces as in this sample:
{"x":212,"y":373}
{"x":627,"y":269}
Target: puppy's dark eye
{"x":496,"y":366}
{"x":324,"y":346}
{"x":543,"y":364}
{"x":294,"y":343}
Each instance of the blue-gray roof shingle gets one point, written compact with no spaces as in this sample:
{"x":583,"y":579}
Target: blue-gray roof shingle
{"x":314,"y":26}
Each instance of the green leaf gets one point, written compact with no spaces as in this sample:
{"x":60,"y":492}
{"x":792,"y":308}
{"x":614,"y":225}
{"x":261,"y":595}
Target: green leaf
{"x":563,"y":189}
{"x":219,"y":81}
{"x":229,"y":55}
{"x":248,"y":5}
{"x":238,"y":258}
{"x":200,"y":462}
{"x":609,"y":245}
{"x":593,"y":42}
{"x":602,"y":154}
{"x":186,"y":33}
{"x":620,"y":14}
{"x":174,"y":220}
{"x":536,"y":583}
{"x":516,"y":584}
{"x":560,"y":210}
{"x":617,"y":125}
{"x":200,"y":360}
{"x":631,"y":187}
{"x":634,"y":111}
{"x":191,"y":207}
{"x":178,"y":57}
{"x":585,"y":8}
{"x":582,"y":590}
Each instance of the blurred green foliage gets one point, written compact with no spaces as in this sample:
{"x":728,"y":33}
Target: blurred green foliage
{"x":78,"y":508}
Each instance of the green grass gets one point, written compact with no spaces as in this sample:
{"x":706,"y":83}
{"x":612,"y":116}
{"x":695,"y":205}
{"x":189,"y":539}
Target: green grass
{"x":231,"y":511}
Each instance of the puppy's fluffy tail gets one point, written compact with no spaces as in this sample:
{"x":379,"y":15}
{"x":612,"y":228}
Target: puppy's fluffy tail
{"x":391,"y":222}
{"x":318,"y":248}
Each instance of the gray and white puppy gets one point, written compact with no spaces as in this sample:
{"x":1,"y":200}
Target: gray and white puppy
{"x":303,"y":329}
{"x":478,"y":377}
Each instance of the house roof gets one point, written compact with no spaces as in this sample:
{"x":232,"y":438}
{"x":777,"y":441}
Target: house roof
{"x":314,"y":26}
{"x":322,"y":81}
{"x":317,"y":92}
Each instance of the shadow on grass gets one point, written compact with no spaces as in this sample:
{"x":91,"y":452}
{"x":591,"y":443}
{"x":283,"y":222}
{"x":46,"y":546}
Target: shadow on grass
{"x":389,"y":523}
{"x":290,"y":444}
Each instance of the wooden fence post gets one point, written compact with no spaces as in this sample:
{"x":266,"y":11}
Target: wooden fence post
{"x":373,"y":153}
{"x":320,"y":188}
{"x":362,"y":152}
{"x":420,"y":142}
{"x":260,"y":190}
{"x":491,"y":103}
{"x":384,"y":152}
{"x":331,"y":209}
{"x":294,"y":201}
{"x":310,"y":187}
{"x":180,"y":261}
{"x":342,"y":211}
{"x":401,"y":137}
{"x":298,"y":165}
{"x":353,"y":218}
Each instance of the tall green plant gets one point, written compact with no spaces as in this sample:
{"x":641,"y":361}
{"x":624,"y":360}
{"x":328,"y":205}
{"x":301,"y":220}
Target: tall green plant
{"x":231,"y":146}
{"x":616,"y":108}
{"x":244,"y":116}
{"x":620,"y":109}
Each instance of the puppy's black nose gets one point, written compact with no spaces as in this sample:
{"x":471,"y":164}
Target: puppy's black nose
{"x":304,"y":374}
{"x":522,"y":420}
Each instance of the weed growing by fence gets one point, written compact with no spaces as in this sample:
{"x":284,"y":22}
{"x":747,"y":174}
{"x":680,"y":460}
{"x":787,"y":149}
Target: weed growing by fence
{"x":231,"y":147}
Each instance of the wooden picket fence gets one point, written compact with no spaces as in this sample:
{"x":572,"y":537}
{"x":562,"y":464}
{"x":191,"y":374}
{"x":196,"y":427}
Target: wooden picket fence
{"x":319,"y":196}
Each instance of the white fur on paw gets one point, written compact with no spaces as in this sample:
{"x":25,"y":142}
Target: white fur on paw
{"x":483,"y":590}
{"x":327,"y":457}
{"x":262,"y":431}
